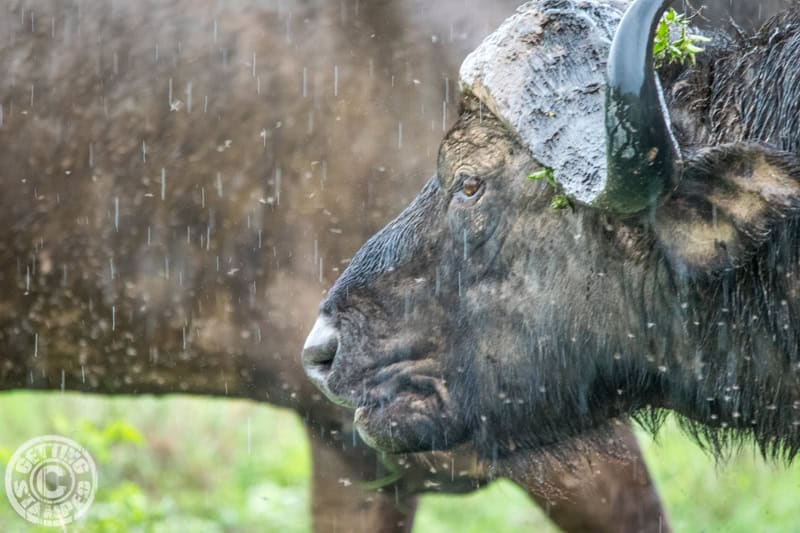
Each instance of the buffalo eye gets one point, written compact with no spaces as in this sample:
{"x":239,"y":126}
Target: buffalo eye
{"x":471,"y":186}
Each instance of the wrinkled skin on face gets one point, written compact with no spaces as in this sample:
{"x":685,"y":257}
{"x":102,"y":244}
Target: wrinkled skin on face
{"x":441,"y":321}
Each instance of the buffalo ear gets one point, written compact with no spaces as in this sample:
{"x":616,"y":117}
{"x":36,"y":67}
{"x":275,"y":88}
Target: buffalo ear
{"x":729,"y":201}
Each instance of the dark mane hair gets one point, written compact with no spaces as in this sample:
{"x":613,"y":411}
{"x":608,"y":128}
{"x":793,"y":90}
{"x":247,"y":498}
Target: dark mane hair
{"x":748,"y":332}
{"x":741,"y":88}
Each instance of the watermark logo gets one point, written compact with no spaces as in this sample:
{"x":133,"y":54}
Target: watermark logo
{"x":51,"y":480}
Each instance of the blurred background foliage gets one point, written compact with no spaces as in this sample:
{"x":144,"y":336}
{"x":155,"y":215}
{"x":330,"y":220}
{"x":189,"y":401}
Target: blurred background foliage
{"x":206,"y":465}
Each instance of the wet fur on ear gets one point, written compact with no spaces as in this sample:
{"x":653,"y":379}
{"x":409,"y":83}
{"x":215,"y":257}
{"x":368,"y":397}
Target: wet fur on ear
{"x":730,"y":200}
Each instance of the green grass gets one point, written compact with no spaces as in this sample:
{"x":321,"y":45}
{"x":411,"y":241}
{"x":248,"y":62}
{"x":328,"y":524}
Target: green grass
{"x":743,"y":495}
{"x":185,"y":464}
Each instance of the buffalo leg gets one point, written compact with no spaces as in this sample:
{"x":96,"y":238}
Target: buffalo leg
{"x":596,"y":491}
{"x":339,"y":503}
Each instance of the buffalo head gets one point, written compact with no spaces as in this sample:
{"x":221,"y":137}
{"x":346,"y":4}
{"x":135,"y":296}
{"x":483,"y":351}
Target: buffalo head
{"x":482,"y":313}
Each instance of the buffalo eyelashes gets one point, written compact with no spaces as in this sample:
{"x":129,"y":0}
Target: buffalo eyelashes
{"x":471,"y":186}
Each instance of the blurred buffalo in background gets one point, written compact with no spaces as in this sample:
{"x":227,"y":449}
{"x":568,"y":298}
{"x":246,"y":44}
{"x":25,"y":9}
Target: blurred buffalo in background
{"x":182,"y":180}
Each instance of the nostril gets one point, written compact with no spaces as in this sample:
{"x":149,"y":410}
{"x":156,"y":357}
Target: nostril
{"x":320,"y":355}
{"x":321,"y":344}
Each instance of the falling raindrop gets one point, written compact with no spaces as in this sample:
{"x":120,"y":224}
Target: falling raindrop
{"x":277,"y":190}
{"x":163,"y":183}
{"x":335,"y":82}
{"x":399,"y":135}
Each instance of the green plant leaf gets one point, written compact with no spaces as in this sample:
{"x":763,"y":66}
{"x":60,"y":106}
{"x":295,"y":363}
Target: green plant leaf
{"x":560,"y":201}
{"x":681,"y":49}
{"x":544,"y":174}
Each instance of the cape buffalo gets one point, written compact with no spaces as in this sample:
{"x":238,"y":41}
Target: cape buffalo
{"x":176,"y":177}
{"x":482,"y":314}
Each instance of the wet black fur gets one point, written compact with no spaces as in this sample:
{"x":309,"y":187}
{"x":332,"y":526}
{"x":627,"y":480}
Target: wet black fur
{"x":717,"y":343}
{"x":743,"y":89}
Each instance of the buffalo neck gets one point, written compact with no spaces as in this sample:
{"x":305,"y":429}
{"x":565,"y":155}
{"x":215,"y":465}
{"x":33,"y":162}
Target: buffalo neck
{"x":725,"y":347}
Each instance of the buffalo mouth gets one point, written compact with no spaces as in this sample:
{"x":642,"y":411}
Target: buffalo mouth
{"x":401,"y":407}
{"x":410,"y":412}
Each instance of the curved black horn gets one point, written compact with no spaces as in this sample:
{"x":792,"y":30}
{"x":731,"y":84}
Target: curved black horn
{"x":642,"y":154}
